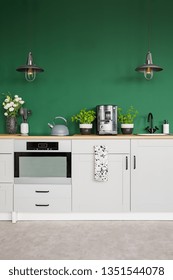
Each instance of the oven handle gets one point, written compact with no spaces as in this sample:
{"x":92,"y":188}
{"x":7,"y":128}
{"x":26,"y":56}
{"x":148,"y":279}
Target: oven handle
{"x":42,"y":191}
{"x":42,"y":205}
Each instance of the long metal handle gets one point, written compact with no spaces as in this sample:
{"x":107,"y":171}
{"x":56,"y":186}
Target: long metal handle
{"x":134,"y":162}
{"x":42,"y":205}
{"x":42,"y":191}
{"x":126,"y":163}
{"x":59,"y":117}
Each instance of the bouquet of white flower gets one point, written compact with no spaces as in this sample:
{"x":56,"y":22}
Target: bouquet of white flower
{"x":12,"y":105}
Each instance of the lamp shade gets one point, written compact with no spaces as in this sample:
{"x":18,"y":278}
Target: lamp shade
{"x":148,"y":68}
{"x":30,"y":69}
{"x":148,"y":64}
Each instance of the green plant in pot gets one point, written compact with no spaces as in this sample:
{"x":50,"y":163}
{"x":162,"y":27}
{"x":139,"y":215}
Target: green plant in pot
{"x":85,"y":119}
{"x":127,"y":119}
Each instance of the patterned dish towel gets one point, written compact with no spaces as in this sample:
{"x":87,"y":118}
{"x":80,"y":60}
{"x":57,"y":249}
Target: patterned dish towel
{"x":101,"y":163}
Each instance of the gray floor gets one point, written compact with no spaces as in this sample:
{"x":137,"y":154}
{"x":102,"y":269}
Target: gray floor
{"x":90,"y":240}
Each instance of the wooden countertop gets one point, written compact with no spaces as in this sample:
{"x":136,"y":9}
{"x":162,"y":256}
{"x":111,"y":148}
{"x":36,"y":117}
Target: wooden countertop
{"x":84,"y":137}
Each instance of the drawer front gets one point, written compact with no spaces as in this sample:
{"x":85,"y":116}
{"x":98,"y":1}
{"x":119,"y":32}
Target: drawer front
{"x":42,"y":205}
{"x":113,"y":146}
{"x":42,"y":198}
{"x":6,"y":146}
{"x":37,"y":190}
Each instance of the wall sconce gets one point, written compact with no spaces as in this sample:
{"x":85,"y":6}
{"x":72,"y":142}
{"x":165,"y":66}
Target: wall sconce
{"x":30,"y":69}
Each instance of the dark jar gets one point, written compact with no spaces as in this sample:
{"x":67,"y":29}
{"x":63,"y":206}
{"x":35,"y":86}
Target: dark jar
{"x":11,"y":125}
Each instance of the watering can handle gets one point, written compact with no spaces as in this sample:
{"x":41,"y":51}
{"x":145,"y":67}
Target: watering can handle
{"x":60,"y":118}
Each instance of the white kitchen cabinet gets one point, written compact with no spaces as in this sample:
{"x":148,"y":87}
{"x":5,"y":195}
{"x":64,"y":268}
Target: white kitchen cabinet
{"x":6,"y":175}
{"x":42,"y":198}
{"x":89,"y":195}
{"x":152,"y":175}
{"x":6,"y":168}
{"x":6,"y":197}
{"x":6,"y":161}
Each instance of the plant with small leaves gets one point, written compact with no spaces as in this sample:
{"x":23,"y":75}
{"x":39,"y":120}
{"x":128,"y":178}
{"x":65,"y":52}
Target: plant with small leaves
{"x":127,"y":117}
{"x":84,"y":116}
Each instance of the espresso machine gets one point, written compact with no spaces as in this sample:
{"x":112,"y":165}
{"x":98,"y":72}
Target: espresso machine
{"x":107,"y":120}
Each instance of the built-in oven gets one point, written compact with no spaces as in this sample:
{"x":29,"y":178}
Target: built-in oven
{"x":42,"y":162}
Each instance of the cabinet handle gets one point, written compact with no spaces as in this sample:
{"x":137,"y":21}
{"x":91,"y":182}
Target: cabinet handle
{"x":126,"y":163}
{"x":42,"y":191}
{"x":42,"y":205}
{"x":134,"y":162}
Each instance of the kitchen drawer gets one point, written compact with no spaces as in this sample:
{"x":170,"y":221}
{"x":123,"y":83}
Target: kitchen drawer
{"x":42,"y":204}
{"x":6,"y":146}
{"x":42,"y":198}
{"x":38,"y":190}
{"x":87,"y":146}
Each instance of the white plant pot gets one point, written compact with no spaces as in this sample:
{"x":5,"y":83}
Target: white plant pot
{"x":127,"y":128}
{"x":85,"y":128}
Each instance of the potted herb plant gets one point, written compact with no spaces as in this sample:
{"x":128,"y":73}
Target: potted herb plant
{"x":85,"y":119}
{"x":127,"y":119}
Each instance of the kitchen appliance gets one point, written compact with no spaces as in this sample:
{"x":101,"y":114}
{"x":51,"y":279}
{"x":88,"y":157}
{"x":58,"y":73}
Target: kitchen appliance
{"x":24,"y":127}
{"x":59,"y":129}
{"x":42,"y":162}
{"x":107,"y":119}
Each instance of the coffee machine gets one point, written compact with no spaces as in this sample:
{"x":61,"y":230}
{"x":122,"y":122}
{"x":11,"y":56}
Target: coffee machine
{"x":107,"y":119}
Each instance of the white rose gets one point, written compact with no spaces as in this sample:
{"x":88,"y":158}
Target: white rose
{"x":16,"y":99}
{"x":5,"y":114}
{"x":11,"y":109}
{"x":21,"y":102}
{"x":5,"y":107}
{"x":11,"y":103}
{"x":6,"y":100}
{"x":14,"y":105}
{"x":16,"y":96}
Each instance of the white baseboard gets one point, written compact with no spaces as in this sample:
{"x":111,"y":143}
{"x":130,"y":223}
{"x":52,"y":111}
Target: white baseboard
{"x":91,"y":216}
{"x":5,"y":216}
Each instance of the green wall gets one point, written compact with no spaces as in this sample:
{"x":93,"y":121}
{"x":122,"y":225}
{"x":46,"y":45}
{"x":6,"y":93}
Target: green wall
{"x":89,"y":50}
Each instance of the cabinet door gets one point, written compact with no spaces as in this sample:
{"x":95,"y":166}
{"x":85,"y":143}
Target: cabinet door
{"x":152,"y":175}
{"x":6,"y":197}
{"x":89,"y":195}
{"x":6,"y":168}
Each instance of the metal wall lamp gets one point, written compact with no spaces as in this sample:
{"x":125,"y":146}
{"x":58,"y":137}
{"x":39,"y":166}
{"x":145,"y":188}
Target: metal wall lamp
{"x":30,"y":69}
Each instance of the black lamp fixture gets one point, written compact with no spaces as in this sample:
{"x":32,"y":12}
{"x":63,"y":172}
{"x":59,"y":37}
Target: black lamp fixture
{"x":148,"y":68}
{"x":30,"y":69}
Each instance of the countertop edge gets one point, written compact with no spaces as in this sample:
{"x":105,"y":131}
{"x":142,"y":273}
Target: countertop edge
{"x":84,"y":137}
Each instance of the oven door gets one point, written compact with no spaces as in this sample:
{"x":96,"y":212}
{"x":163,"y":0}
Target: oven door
{"x":42,"y":167}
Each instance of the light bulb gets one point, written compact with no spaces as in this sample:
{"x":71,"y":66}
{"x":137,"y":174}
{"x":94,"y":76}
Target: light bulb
{"x":30,"y":75}
{"x":148,"y":73}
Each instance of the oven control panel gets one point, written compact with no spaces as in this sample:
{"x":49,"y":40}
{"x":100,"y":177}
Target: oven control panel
{"x":30,"y":146}
{"x":44,"y":145}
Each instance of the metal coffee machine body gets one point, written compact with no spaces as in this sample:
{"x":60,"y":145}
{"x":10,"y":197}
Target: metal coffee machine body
{"x":107,"y":119}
